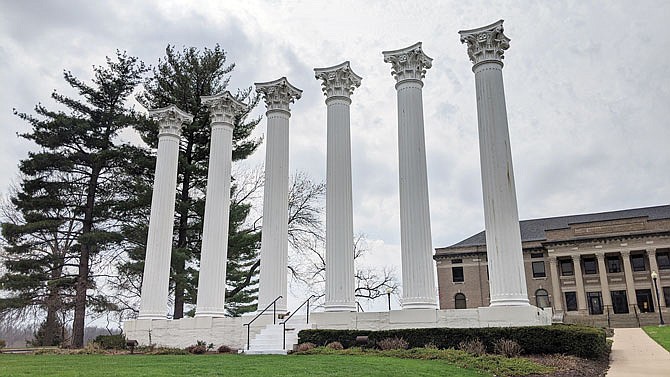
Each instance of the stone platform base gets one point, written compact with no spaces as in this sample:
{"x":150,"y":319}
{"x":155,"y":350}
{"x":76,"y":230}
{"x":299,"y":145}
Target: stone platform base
{"x":231,"y":332}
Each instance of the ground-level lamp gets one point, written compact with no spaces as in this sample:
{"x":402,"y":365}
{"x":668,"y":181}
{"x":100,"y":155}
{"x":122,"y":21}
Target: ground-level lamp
{"x":654,"y":277}
{"x":388,"y":295}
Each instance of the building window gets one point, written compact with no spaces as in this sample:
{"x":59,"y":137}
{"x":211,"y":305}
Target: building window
{"x":619,"y":302}
{"x":566,"y":268}
{"x":590,"y":266}
{"x":542,"y":298}
{"x":595,"y":302}
{"x":457,"y":273}
{"x":666,"y":295}
{"x":663,"y":260}
{"x":613,"y":264}
{"x":537,"y":255}
{"x":571,"y":301}
{"x":637,"y":261}
{"x":538,"y":269}
{"x":459,"y":301}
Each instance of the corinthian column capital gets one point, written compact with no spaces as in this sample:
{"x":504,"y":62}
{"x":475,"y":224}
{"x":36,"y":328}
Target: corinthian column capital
{"x":409,"y":63}
{"x":223,"y":107}
{"x":170,"y":119}
{"x":486,"y":43}
{"x":338,"y":80}
{"x":278,"y":94}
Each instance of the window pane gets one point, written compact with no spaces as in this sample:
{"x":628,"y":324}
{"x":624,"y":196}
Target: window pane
{"x":538,"y":269}
{"x":663,"y":260}
{"x":542,"y":298}
{"x":537,"y":255}
{"x":590,"y":266}
{"x":638,"y":262}
{"x":571,"y":301}
{"x":666,"y":294}
{"x":595,"y":302}
{"x":457,"y":274}
{"x":613,"y":264}
{"x":566,"y":268}
{"x":459,"y":301}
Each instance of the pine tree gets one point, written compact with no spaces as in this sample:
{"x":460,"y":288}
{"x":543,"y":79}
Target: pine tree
{"x":73,"y":180}
{"x":181,"y":78}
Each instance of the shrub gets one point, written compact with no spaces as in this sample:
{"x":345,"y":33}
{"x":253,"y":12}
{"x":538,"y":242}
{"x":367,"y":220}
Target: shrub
{"x":579,"y":341}
{"x":335,"y":345}
{"x":302,"y":347}
{"x":507,"y":348}
{"x":197,"y":349}
{"x":393,"y":344}
{"x":430,"y":346}
{"x":473,"y":346}
{"x":3,"y":344}
{"x":111,"y":342}
{"x":225,"y":349}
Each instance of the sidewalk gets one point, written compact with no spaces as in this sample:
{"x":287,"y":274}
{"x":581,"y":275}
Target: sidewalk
{"x":636,"y":354}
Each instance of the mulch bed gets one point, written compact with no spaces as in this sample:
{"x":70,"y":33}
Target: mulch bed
{"x":572,"y":366}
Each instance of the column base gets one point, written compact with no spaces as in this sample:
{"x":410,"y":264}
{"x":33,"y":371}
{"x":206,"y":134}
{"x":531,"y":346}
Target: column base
{"x":151,"y":315}
{"x":510,"y":300}
{"x":208,"y":312}
{"x":339,"y":306}
{"x":410,"y":303}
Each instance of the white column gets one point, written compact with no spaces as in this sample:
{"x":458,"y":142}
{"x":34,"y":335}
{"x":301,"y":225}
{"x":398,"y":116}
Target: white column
{"x":156,"y":278}
{"x":278,"y":95}
{"x":507,"y":278}
{"x":338,"y":83}
{"x":214,"y":251}
{"x":555,"y":284}
{"x":582,"y":305}
{"x":408,"y":67}
{"x":604,"y":283}
{"x":653,"y":266}
{"x":628,"y":276}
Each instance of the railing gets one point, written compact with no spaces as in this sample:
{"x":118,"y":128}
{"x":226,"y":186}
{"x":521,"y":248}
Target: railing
{"x":637,"y":317}
{"x":607,"y":308}
{"x":295,"y":311}
{"x":359,"y":308}
{"x":274,"y":318}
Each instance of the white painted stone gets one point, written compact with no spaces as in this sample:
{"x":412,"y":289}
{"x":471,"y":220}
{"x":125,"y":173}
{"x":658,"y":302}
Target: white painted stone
{"x":507,"y":278}
{"x":153,"y":301}
{"x":409,"y":67}
{"x":338,"y":83}
{"x":214,"y":251}
{"x":278,"y":95}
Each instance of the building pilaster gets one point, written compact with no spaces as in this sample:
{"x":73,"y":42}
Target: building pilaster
{"x":507,"y":279}
{"x":579,"y":282}
{"x":338,"y":84}
{"x":153,"y":301}
{"x":604,"y":283}
{"x":223,"y":108}
{"x":278,"y":96}
{"x":630,"y":281}
{"x":653,"y":266}
{"x":408,"y":67}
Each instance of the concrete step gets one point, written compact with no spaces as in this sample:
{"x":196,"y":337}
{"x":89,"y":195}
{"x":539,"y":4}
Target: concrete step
{"x":270,"y":339}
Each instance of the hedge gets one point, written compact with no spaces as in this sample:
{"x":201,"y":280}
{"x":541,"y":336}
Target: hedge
{"x":117,"y":341}
{"x":582,"y":341}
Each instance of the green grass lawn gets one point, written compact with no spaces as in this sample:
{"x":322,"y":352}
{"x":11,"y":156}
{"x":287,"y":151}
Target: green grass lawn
{"x":223,"y":365}
{"x":660,"y":334}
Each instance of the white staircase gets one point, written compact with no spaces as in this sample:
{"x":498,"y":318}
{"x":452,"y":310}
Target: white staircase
{"x":270,"y":340}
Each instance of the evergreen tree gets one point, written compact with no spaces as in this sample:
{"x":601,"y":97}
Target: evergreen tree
{"x":181,"y":78}
{"x":73,"y":181}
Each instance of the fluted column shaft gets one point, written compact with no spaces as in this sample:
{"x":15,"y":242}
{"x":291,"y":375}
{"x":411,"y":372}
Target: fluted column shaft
{"x":214,"y":250}
{"x":507,"y":278}
{"x":653,"y":265}
{"x":338,"y":83}
{"x":555,"y":284}
{"x":604,"y":283}
{"x":628,"y":276}
{"x":155,"y":282}
{"x":409,"y":66}
{"x":579,"y":283}
{"x":274,"y":241}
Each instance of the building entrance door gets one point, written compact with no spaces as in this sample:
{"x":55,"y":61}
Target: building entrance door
{"x":644,"y":300}
{"x":595,"y":302}
{"x":619,"y":302}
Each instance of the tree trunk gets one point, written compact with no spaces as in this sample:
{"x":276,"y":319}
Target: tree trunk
{"x":52,"y":327}
{"x":83,"y":275}
{"x":179,"y":265}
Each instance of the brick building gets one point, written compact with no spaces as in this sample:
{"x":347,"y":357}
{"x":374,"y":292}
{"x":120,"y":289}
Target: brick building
{"x":591,"y":268}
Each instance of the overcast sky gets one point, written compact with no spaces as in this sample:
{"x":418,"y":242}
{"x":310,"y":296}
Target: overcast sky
{"x":586,"y":83}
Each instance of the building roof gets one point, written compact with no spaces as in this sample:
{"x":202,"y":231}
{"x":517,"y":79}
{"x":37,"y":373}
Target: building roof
{"x":534,"y":229}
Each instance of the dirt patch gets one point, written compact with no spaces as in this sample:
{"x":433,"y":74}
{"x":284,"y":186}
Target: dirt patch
{"x":572,"y":366}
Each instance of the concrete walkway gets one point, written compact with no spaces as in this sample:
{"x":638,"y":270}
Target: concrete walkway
{"x":634,"y":353}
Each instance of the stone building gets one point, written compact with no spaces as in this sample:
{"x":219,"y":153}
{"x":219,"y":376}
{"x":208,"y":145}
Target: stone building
{"x":591,"y":268}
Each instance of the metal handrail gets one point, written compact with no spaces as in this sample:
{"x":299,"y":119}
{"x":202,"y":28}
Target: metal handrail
{"x":607,"y":307}
{"x":291,"y":315}
{"x":637,"y":317}
{"x":274,"y":318}
{"x":359,"y":308}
